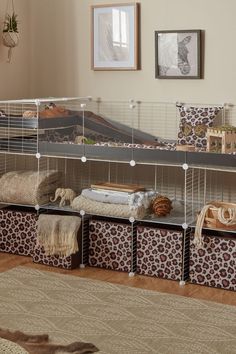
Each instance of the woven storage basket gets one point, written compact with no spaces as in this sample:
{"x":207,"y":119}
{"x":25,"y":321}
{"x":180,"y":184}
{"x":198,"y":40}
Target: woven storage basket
{"x":211,"y":218}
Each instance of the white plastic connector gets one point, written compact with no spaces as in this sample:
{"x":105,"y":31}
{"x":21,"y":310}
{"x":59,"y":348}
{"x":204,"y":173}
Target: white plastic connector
{"x":83,"y":105}
{"x":132,"y":163}
{"x":227,"y":106}
{"x":178,"y":103}
{"x":132,"y":106}
{"x":182,"y":283}
{"x":83,"y":159}
{"x":185,"y":226}
{"x":82,"y":266}
{"x":37,"y":102}
{"x":36,"y":207}
{"x":82,"y":212}
{"x":185,"y":166}
{"x":132,"y":219}
{"x":131,"y":274}
{"x":38,"y":155}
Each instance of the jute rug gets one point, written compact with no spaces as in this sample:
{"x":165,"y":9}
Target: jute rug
{"x":115,"y":318}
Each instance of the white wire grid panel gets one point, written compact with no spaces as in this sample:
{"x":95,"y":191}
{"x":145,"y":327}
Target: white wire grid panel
{"x":19,"y":121}
{"x":160,"y":119}
{"x":194,"y":193}
{"x":16,"y":133}
{"x":229,"y":115}
{"x":155,"y":118}
{"x":220,"y":186}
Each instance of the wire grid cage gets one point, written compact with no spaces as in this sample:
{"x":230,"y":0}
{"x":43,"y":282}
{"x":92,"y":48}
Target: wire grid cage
{"x":26,"y":125}
{"x":189,"y":190}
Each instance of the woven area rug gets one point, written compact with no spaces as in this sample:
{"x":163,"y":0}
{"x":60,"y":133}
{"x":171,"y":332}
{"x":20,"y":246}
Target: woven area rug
{"x":115,"y":318}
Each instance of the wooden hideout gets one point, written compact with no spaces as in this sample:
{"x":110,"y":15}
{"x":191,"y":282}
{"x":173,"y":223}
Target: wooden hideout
{"x":221,"y":140}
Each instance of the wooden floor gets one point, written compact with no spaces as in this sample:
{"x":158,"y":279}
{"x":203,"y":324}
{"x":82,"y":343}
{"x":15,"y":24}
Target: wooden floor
{"x":8,"y":262}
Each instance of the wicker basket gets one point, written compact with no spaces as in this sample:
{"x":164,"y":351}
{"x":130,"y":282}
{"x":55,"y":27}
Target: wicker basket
{"x":211,"y":217}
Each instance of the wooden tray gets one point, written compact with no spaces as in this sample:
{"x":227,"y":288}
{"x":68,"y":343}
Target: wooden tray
{"x":129,"y":188}
{"x":180,"y":147}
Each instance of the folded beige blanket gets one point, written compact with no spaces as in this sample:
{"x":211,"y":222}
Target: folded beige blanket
{"x":29,"y":187}
{"x":107,"y":209}
{"x":57,"y":234}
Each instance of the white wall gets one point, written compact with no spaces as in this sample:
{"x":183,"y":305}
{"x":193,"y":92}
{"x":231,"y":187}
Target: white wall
{"x":61,"y":60}
{"x":53,"y":57}
{"x":55,"y":47}
{"x":15,"y":76}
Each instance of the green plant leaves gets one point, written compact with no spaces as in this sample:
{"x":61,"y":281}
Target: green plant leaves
{"x":11,"y":23}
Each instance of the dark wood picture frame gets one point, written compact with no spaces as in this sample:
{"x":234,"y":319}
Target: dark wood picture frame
{"x":131,"y":10}
{"x":178,"y":54}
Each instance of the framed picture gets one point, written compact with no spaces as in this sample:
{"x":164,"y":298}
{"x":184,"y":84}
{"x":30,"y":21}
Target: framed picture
{"x":115,"y":37}
{"x":178,"y":54}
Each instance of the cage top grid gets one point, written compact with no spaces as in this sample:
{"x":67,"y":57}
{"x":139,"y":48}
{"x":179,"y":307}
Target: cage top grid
{"x":38,"y":101}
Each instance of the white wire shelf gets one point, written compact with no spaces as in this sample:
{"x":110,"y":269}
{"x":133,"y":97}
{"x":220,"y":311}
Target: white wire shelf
{"x":174,"y":218}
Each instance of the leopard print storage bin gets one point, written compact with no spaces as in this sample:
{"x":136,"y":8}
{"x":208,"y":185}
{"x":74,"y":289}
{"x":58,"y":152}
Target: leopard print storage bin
{"x":18,"y":231}
{"x":215,"y":263}
{"x":70,"y":262}
{"x":110,"y":245}
{"x":159,"y":252}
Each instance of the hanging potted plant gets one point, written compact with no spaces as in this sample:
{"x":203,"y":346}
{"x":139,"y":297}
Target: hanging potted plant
{"x":10,"y":34}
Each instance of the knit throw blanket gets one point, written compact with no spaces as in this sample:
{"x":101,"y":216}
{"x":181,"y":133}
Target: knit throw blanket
{"x":57,"y":234}
{"x":108,"y":209}
{"x":29,"y":187}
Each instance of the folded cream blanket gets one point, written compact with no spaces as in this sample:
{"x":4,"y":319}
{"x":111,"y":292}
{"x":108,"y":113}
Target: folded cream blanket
{"x":57,"y":234}
{"x":106,"y":196}
{"x":134,"y":200}
{"x":108,"y":209}
{"x":29,"y":187}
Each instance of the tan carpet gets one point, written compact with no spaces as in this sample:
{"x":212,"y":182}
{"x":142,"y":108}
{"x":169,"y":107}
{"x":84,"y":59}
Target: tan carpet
{"x":117,"y":319}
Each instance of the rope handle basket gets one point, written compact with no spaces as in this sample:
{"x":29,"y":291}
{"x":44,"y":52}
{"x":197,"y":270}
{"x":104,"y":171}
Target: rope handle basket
{"x":217,"y":215}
